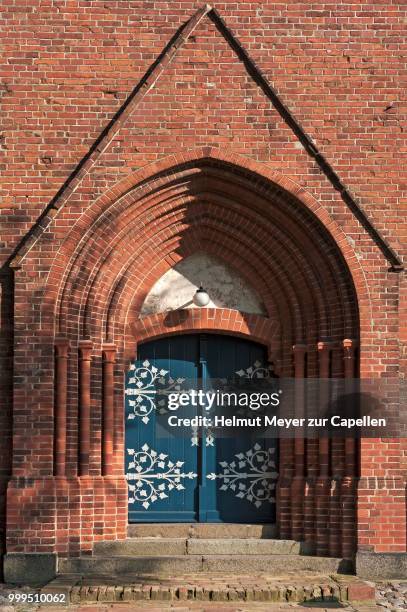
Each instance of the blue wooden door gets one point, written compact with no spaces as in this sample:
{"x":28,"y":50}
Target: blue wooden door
{"x":206,"y":478}
{"x":240,"y":468}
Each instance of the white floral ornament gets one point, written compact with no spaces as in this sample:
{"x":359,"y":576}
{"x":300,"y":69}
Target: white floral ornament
{"x":194,"y":436}
{"x":251,"y":477}
{"x":257,"y":370}
{"x":146,"y":382}
{"x":154,"y":476}
{"x":209,"y":438}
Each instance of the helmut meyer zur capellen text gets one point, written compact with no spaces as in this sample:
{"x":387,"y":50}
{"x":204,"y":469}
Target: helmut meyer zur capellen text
{"x":274,"y":421}
{"x":210,"y":401}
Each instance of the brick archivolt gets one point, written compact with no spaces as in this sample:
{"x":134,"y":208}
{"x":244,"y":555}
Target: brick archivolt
{"x":251,"y":223}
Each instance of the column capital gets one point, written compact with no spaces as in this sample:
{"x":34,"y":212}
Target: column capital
{"x":299,"y":348}
{"x":349,"y":344}
{"x":62,"y":346}
{"x":85,"y":350}
{"x":324,"y":345}
{"x":109,"y":353}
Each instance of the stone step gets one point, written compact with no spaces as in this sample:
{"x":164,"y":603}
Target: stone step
{"x":201,"y":530}
{"x":198,"y":546}
{"x":181,"y":564}
{"x":246,"y":546}
{"x":285,"y":587}
{"x":142,"y":547}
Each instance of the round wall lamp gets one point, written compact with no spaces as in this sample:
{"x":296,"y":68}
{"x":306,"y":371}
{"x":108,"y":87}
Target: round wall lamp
{"x":201,"y":297}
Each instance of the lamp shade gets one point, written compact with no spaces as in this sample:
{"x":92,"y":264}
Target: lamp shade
{"x":201,"y":297}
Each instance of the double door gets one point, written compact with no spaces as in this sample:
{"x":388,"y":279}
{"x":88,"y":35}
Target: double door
{"x":188,"y":474}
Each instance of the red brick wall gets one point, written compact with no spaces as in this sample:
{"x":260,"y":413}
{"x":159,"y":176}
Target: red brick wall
{"x":69,"y":67}
{"x":6,"y":384}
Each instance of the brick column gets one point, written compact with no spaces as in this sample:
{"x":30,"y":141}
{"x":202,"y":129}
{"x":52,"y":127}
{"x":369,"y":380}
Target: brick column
{"x":284,"y":490}
{"x":348,"y":488}
{"x":61,"y":379}
{"x":108,"y":429}
{"x":298,"y":483}
{"x":337,"y":459}
{"x":311,"y":464}
{"x":85,"y":357}
{"x":323,"y":481}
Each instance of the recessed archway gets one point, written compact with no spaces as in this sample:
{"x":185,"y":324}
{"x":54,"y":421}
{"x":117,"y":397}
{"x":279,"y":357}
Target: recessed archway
{"x":281,"y":244}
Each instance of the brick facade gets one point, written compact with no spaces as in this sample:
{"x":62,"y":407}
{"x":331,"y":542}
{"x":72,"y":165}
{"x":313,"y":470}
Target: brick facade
{"x":143,"y":132}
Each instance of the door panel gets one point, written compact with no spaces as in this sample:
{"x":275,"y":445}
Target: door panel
{"x":172,"y":478}
{"x":163,"y":472}
{"x":241,"y":468}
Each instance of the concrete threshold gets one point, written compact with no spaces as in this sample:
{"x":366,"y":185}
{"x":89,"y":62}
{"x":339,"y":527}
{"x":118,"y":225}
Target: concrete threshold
{"x":147,"y":546}
{"x":202,"y":530}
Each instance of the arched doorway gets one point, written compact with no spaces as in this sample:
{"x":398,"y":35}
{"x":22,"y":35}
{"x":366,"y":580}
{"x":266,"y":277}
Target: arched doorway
{"x":195,"y":473}
{"x":283,"y":244}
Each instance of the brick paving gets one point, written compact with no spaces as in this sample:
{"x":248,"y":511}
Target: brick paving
{"x":211,"y":587}
{"x":392,"y":595}
{"x":197,"y":592}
